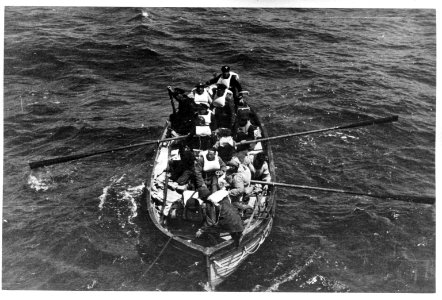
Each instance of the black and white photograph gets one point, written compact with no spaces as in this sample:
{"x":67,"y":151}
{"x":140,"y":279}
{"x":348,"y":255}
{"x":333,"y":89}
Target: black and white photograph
{"x":243,"y":146}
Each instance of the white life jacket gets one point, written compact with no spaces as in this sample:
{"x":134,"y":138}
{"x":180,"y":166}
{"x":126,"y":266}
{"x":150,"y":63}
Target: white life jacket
{"x":226,"y":81}
{"x":219,"y":195}
{"x":209,"y":165}
{"x":204,"y":98}
{"x":225,"y":140}
{"x":221,"y":100}
{"x":203,"y":130}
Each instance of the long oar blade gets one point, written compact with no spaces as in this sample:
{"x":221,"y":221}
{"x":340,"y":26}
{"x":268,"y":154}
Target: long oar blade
{"x":406,"y":198}
{"x":62,"y":159}
{"x":353,"y":125}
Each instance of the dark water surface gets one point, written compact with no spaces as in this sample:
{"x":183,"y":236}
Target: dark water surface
{"x":84,"y":79}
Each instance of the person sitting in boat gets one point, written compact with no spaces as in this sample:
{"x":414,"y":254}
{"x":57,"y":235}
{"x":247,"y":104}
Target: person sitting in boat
{"x":244,"y":130}
{"x":202,"y":136}
{"x":225,"y":145}
{"x":224,"y":108}
{"x":208,"y":167}
{"x":182,"y":171}
{"x":182,"y":119}
{"x":259,"y":168}
{"x":200,"y":95}
{"x":193,"y":209}
{"x":220,"y":216}
{"x":238,"y":177}
{"x":231,"y":81}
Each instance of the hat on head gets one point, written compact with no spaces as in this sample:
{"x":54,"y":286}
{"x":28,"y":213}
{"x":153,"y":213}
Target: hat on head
{"x":221,"y":86}
{"x":225,"y":69}
{"x":201,"y":106}
{"x":193,"y":204}
{"x":243,"y":115}
{"x":234,"y":162}
{"x":224,"y":132}
{"x":200,"y":84}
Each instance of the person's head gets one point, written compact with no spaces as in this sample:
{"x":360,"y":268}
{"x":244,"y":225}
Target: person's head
{"x":200,"y":121}
{"x":202,"y":109}
{"x":259,"y":159}
{"x":184,"y":148}
{"x":243,"y":117}
{"x":220,"y":89}
{"x":230,"y":173}
{"x":224,"y":132}
{"x":225,"y":71}
{"x":211,"y":154}
{"x":233,"y":165}
{"x":200,"y":88}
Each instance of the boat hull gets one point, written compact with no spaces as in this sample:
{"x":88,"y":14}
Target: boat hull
{"x":223,"y":259}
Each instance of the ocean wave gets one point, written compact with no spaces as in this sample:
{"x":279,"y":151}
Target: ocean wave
{"x":107,"y":103}
{"x":41,"y":109}
{"x":75,"y":69}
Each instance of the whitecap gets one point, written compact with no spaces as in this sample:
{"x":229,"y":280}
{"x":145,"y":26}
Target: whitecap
{"x":38,"y":183}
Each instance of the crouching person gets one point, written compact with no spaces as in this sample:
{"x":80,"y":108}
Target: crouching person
{"x":238,"y":177}
{"x":182,"y":171}
{"x":221,"y":215}
{"x":259,"y":167}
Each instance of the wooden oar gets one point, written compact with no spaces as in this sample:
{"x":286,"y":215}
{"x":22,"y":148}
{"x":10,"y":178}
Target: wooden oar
{"x":407,"y":198}
{"x":353,"y":125}
{"x":61,"y":159}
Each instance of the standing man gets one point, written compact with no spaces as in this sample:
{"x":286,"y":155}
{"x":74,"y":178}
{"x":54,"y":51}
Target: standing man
{"x":229,"y":79}
{"x":224,"y":107}
{"x":221,"y":216}
{"x":200,"y":95}
{"x":182,"y":119}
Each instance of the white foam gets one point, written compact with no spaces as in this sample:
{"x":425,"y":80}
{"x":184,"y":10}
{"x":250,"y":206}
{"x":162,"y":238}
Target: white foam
{"x":129,"y":195}
{"x":37,"y":183}
{"x":103,"y":196}
{"x":290,"y":275}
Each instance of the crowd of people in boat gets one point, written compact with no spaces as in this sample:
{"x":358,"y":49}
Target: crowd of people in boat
{"x":216,"y":166}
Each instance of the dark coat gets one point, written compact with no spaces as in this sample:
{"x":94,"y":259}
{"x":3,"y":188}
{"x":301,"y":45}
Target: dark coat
{"x":225,"y":116}
{"x":225,"y":217}
{"x":235,"y":86}
{"x":201,"y":175}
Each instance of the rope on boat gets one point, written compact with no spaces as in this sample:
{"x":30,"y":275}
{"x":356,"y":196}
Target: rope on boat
{"x":161,"y":252}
